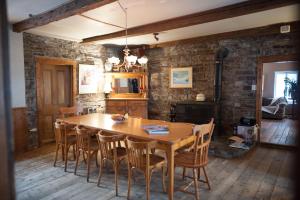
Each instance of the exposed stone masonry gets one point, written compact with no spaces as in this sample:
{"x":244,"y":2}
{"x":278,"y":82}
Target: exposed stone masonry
{"x":35,"y":45}
{"x":239,"y":73}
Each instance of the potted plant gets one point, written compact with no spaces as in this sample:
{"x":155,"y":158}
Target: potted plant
{"x":292,"y":88}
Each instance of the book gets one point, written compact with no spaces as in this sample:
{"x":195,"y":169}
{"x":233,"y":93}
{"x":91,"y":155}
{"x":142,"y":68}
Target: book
{"x":156,"y":129}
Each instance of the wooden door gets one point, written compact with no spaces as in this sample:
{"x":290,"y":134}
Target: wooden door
{"x":55,"y":92}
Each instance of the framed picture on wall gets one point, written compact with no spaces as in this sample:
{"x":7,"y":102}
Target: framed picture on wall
{"x":181,"y":77}
{"x":88,"y":79}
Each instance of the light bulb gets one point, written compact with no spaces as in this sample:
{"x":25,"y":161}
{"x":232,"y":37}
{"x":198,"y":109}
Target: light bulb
{"x":114,"y":60}
{"x":143,"y":60}
{"x":131,"y":59}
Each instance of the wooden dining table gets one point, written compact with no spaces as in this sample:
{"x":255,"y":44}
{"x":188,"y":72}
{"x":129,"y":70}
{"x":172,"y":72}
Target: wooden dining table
{"x":180,"y":134}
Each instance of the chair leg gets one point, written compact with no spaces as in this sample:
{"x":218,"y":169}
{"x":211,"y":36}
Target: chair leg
{"x":129,"y":182}
{"x":167,"y":171}
{"x":96,"y":155}
{"x":206,"y":177}
{"x":163,"y":179}
{"x":74,"y":151}
{"x":56,"y":154}
{"x":148,"y":185}
{"x":84,"y":158}
{"x":116,"y":177}
{"x":183,"y":173}
{"x":199,"y":174}
{"x":100,"y":172}
{"x":88,"y":166}
{"x":196,"y":183}
{"x":148,"y":176}
{"x":66,"y":156}
{"x":77,"y":159}
{"x":63,"y":152}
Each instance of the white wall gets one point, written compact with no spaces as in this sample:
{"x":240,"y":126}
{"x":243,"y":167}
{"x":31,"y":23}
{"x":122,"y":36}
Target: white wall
{"x":17,"y":76}
{"x":269,"y":70}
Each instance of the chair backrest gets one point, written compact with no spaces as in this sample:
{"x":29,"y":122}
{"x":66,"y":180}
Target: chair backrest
{"x":59,"y":131}
{"x":68,"y":111}
{"x":83,"y":136}
{"x":201,"y":144}
{"x":108,"y":144}
{"x":138,"y":152}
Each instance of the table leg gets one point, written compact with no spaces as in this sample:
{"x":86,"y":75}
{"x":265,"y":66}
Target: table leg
{"x":170,"y":154}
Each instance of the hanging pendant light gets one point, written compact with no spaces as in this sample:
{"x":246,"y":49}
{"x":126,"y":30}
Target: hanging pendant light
{"x":129,"y":61}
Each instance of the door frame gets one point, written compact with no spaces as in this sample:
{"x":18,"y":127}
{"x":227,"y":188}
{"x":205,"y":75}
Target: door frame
{"x":259,"y":73}
{"x":39,"y":61}
{"x":7,"y":181}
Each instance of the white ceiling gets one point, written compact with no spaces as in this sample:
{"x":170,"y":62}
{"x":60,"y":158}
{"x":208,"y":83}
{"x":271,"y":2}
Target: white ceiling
{"x":284,"y":14}
{"x":142,"y":12}
{"x":19,"y":10}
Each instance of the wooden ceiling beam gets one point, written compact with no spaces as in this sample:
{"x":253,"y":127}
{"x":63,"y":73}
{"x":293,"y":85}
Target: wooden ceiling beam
{"x":66,"y":10}
{"x":225,"y":12}
{"x":258,"y":31}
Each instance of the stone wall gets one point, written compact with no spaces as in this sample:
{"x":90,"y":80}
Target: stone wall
{"x":35,"y":45}
{"x":239,"y":73}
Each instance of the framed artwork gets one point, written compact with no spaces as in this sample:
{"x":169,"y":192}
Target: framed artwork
{"x":181,"y":77}
{"x":88,"y":79}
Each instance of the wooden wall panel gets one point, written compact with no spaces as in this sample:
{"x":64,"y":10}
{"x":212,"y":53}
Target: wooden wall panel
{"x":47,"y":77}
{"x":61,"y":84}
{"x":20,"y":129}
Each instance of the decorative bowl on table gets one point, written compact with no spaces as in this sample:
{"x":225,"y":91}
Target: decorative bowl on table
{"x":118,"y":118}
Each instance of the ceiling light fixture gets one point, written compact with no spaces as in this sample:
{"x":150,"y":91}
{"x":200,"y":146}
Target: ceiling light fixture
{"x":129,"y":61}
{"x":155,"y":35}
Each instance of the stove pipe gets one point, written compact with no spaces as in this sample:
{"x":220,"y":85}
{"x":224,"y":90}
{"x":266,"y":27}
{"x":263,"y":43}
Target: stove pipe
{"x":220,"y":55}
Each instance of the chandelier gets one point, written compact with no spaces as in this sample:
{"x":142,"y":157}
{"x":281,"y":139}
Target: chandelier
{"x":129,"y":61}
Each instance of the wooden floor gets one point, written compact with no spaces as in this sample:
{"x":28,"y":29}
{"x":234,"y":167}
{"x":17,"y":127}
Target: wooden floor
{"x":281,"y":132}
{"x":261,"y":174}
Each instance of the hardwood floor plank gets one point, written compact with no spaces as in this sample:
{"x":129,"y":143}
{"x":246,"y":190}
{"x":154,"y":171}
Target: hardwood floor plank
{"x":291,"y":139}
{"x":267,"y":185}
{"x":279,"y":131}
{"x":261,"y":174}
{"x":228,"y":180}
{"x":284,"y":185}
{"x":45,"y":190}
{"x":235,"y":191}
{"x":284,"y":135}
{"x":257,"y":175}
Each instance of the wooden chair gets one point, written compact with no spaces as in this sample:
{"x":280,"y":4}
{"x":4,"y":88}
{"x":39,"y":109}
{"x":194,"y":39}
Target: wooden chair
{"x":68,"y":111}
{"x":197,"y":157}
{"x":86,"y":145}
{"x":64,"y":140}
{"x":139,"y":157}
{"x":111,"y":150}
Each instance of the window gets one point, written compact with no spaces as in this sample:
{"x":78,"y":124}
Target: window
{"x":280,"y":86}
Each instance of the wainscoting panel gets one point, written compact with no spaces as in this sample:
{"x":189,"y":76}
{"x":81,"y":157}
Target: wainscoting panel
{"x":20,"y":129}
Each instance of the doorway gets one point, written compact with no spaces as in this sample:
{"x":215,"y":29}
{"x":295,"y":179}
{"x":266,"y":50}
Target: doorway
{"x":55,"y":81}
{"x":276,"y":102}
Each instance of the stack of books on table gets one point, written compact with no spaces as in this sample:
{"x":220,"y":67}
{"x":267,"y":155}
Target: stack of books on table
{"x":156,"y":129}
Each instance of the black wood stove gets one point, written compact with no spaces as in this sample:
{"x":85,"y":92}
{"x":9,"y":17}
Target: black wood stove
{"x":198,"y":112}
